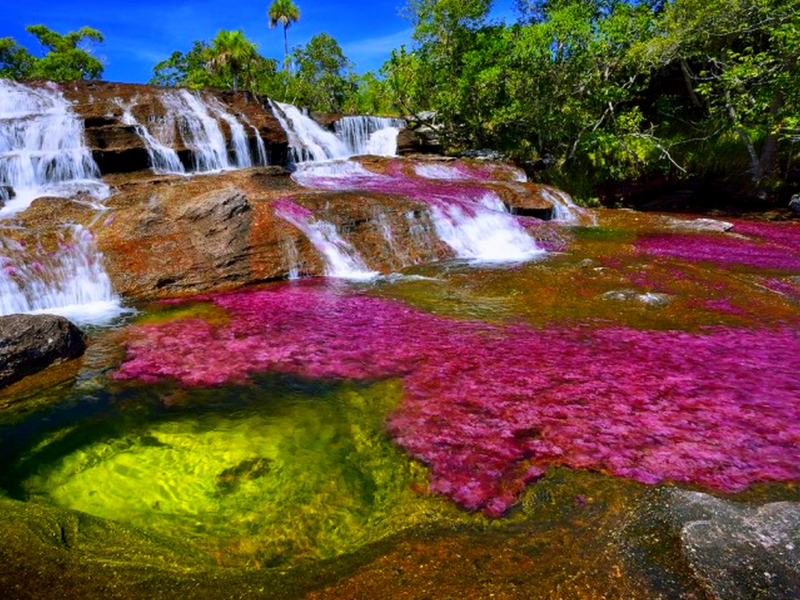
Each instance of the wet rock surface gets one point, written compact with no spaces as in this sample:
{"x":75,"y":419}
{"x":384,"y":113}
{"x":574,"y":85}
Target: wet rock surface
{"x":737,"y":550}
{"x":794,"y":204}
{"x":31,"y":343}
{"x":115,"y":144}
{"x":708,"y":225}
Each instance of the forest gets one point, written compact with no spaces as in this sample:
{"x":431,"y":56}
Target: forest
{"x":599,"y":97}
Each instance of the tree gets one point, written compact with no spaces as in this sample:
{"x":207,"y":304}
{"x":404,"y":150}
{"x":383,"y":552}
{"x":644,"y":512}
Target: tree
{"x":284,"y":12}
{"x":740,"y":61}
{"x":182,"y":69}
{"x":68,"y":56}
{"x":15,"y":61}
{"x":323,"y":79}
{"x":232,"y":53}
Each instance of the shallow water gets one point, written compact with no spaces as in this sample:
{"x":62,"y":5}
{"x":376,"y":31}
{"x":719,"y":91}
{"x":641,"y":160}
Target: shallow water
{"x":302,"y":420}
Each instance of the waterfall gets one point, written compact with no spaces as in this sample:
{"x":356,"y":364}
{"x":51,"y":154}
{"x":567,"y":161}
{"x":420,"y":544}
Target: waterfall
{"x":483,"y":231}
{"x":42,"y":150}
{"x":369,"y":135}
{"x":565,"y":210}
{"x":70,"y":281}
{"x":470,"y":219}
{"x":341,"y":259}
{"x":354,"y":135}
{"x":163,"y":159}
{"x":307,"y":140}
{"x":199,"y":120}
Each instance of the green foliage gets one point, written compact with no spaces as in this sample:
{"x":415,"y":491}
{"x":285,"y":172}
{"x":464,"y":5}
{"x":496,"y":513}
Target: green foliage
{"x":323,"y":77}
{"x":232,"y":56}
{"x":180,"y":69}
{"x":230,"y":61}
{"x":599,"y":91}
{"x":15,"y":61}
{"x":67,"y":57}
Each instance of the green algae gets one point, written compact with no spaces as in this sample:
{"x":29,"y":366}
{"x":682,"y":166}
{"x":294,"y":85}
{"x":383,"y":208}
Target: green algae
{"x":290,"y":479}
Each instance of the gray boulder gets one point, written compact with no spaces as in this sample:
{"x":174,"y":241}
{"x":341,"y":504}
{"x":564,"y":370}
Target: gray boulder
{"x":794,"y":204}
{"x":31,"y":343}
{"x":740,"y":551}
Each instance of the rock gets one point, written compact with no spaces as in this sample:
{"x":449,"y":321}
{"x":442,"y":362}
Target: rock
{"x":739,"y":551}
{"x":483,"y":154}
{"x":629,"y":295}
{"x":794,"y":204}
{"x":423,"y":140}
{"x":705,"y":225}
{"x":30,"y":343}
{"x":118,"y":148}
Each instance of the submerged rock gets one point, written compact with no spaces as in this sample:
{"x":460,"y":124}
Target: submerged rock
{"x":739,"y":551}
{"x":31,"y":343}
{"x":710,"y":225}
{"x":646,"y":298}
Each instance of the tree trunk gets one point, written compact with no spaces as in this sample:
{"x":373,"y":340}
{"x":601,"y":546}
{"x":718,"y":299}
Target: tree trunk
{"x":687,"y":77}
{"x":755,"y":163}
{"x":769,"y":154}
{"x":285,"y":47}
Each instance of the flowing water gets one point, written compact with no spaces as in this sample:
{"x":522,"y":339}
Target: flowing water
{"x":42,"y":152}
{"x":491,"y":417}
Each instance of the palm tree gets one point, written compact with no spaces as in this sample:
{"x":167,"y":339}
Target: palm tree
{"x":233,"y":50}
{"x":284,"y":12}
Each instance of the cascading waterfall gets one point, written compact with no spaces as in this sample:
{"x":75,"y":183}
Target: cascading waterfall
{"x":70,"y":281}
{"x":199,"y":119}
{"x":42,"y":153}
{"x":342,"y":260}
{"x":163,"y":159}
{"x":369,"y":135}
{"x":42,"y":150}
{"x":472,"y":221}
{"x":307,"y":140}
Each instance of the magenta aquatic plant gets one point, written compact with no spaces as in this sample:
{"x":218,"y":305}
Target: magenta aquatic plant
{"x":771,"y":250}
{"x":490,"y":408}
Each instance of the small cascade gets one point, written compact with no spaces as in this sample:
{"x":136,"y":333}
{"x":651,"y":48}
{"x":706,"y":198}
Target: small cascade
{"x":307,"y":140}
{"x":163,"y":159}
{"x":42,"y":149}
{"x":199,"y":119}
{"x":470,"y":219}
{"x":70,"y":281}
{"x":341,"y":259}
{"x":369,"y":135}
{"x":565,"y":210}
{"x":291,"y":256}
{"x":483,"y":231}
{"x":261,"y":148}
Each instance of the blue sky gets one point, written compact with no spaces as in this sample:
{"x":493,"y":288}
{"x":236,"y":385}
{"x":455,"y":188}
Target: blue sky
{"x":141,"y":33}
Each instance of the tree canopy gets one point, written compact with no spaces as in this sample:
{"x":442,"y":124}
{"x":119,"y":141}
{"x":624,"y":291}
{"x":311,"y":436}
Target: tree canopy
{"x":66,"y":57}
{"x":599,"y":91}
{"x":284,"y":12}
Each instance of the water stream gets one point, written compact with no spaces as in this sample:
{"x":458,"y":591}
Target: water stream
{"x":490,"y":417}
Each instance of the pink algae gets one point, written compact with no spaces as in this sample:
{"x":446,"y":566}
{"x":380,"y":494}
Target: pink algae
{"x":756,"y":244}
{"x":489,"y":408}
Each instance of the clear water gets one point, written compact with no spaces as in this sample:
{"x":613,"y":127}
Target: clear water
{"x":304,"y":420}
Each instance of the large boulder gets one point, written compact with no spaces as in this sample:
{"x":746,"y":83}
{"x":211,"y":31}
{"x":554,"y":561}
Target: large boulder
{"x":734,"y":550}
{"x":794,"y":204}
{"x":30,"y":343}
